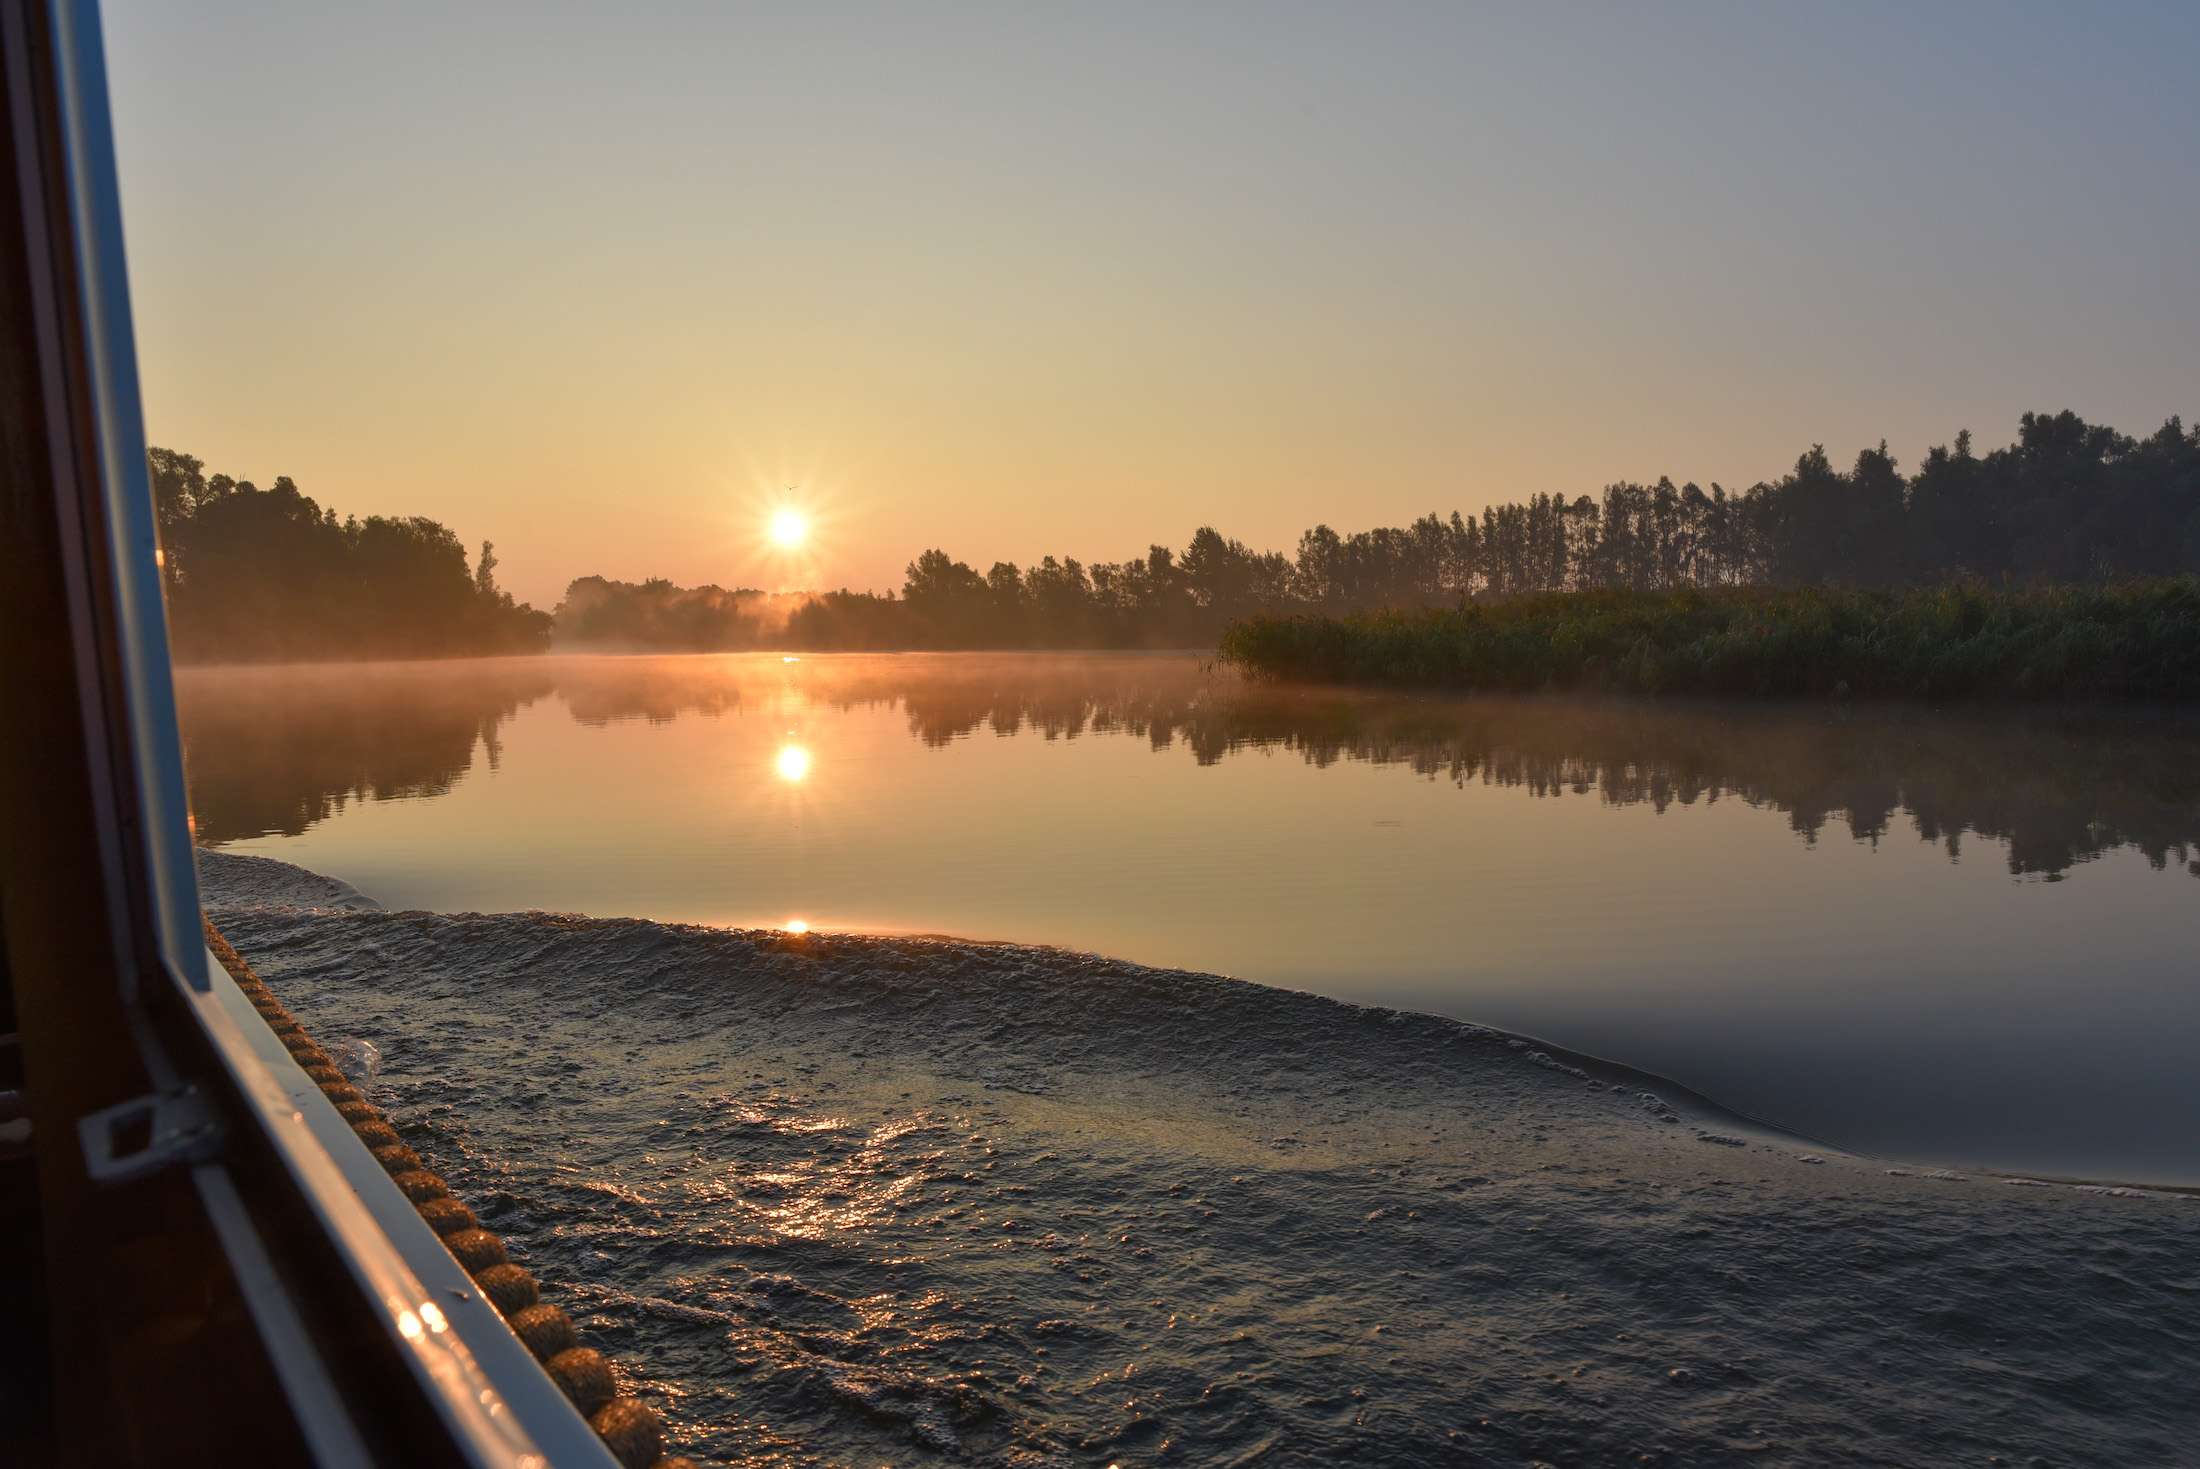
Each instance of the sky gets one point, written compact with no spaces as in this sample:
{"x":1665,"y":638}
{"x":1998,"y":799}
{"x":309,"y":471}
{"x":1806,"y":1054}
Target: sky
{"x":610,"y":285}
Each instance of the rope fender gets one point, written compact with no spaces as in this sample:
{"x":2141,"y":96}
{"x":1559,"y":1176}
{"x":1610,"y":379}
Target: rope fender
{"x":628,"y":1426}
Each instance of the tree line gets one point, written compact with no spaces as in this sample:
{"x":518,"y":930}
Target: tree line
{"x":260,"y":575}
{"x":655,"y":615}
{"x":255,"y":575}
{"x":2069,"y":501}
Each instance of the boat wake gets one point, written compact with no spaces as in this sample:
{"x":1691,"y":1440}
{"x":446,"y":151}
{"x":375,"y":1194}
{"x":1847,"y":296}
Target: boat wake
{"x":848,"y":1200}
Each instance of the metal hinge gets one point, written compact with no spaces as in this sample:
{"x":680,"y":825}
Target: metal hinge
{"x":184,"y":1129}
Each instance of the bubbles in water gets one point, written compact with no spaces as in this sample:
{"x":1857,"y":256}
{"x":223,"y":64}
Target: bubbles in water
{"x":360,"y":1061}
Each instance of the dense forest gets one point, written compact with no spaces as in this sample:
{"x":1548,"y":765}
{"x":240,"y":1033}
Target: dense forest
{"x":257,"y":575}
{"x":2069,"y":502}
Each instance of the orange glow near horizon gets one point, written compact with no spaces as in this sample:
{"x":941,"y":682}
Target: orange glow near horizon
{"x":1255,"y":301}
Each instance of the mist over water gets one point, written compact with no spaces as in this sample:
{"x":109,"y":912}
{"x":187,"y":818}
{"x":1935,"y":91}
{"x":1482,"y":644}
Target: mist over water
{"x":1958,"y":935}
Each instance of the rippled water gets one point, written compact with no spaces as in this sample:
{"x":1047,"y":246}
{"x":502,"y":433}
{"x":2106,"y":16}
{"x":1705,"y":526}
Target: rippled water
{"x":1966,"y":936}
{"x":841,"y":1201}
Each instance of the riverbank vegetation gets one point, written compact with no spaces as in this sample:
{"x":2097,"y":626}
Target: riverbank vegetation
{"x":2069,"y":501}
{"x":267,"y":574}
{"x":263,"y":576}
{"x":2128,"y":639}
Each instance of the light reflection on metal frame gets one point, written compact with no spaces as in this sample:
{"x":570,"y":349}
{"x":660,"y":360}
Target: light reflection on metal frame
{"x":468,"y":1402}
{"x":433,"y":1287}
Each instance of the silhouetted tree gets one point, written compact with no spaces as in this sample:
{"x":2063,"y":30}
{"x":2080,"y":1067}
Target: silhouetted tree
{"x":257,"y":575}
{"x":270,"y":574}
{"x":2069,"y":500}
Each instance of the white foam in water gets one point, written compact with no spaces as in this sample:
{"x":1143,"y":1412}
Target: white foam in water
{"x":360,"y":1061}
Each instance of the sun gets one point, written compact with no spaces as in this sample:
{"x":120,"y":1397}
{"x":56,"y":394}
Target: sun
{"x":789,"y":528}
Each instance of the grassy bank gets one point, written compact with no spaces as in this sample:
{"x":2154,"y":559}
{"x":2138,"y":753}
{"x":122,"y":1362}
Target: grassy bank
{"x":2138,"y":639}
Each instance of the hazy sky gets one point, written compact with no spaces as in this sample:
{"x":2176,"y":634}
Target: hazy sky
{"x":600,"y":282}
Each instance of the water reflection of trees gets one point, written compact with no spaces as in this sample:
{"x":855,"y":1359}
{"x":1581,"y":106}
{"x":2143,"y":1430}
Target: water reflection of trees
{"x":273,"y":751}
{"x":2059,"y":787}
{"x":276,"y":750}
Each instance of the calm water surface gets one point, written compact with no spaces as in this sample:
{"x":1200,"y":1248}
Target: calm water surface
{"x":1959,"y":936}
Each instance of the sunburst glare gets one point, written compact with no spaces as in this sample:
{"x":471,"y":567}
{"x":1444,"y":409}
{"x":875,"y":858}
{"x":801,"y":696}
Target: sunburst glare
{"x":787,"y":525}
{"x":793,"y":762}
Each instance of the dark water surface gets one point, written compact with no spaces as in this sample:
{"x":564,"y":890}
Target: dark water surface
{"x":840,"y":1202}
{"x":1961,"y":936}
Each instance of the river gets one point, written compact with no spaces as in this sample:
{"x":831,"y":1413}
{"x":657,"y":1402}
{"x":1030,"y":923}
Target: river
{"x":1962,"y":936}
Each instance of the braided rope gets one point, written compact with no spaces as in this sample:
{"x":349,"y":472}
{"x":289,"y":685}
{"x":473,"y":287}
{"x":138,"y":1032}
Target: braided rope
{"x":628,"y":1427}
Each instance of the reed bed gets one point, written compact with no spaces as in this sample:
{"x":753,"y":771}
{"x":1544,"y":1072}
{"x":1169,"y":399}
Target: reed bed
{"x":2137,"y":639}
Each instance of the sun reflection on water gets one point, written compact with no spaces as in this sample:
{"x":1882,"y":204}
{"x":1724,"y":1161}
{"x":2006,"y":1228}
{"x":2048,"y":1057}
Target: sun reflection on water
{"x":821,"y":1197}
{"x":793,"y":762}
